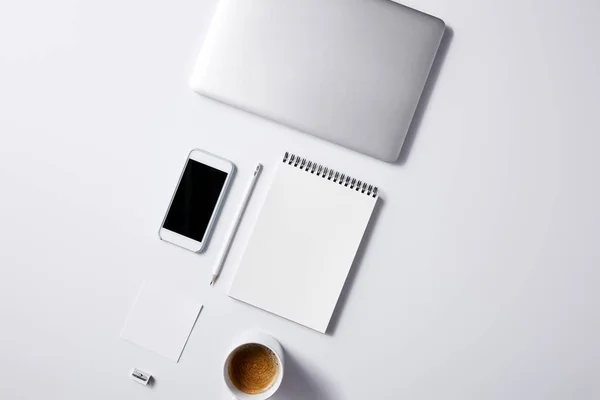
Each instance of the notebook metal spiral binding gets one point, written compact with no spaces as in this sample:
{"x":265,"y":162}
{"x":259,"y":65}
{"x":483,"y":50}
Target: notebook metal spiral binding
{"x":330,"y":174}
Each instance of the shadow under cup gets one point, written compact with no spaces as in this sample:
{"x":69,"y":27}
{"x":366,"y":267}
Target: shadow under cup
{"x":254,"y":370}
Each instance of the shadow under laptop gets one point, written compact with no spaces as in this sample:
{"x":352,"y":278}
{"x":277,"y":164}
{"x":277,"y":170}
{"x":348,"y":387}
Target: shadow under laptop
{"x":358,"y":261}
{"x":426,"y":95}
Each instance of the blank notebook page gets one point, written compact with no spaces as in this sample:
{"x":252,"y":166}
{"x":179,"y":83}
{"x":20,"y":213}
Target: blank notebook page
{"x":304,"y":242}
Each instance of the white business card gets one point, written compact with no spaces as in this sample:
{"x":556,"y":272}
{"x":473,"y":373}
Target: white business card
{"x":161,"y":320}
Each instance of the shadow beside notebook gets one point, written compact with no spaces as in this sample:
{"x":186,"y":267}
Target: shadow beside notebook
{"x":426,"y":95}
{"x":358,"y":260}
{"x":298,"y":384}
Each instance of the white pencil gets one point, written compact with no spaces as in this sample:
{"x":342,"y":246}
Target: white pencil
{"x":236,"y":223}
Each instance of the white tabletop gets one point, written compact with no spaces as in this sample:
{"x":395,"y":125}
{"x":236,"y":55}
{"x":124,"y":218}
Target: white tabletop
{"x":478,"y":278}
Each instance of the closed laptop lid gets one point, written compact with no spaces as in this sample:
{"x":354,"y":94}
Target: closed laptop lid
{"x":348,"y":71}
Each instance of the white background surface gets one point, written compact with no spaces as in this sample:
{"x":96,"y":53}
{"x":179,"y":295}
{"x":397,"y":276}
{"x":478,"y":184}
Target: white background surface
{"x":479,"y":276}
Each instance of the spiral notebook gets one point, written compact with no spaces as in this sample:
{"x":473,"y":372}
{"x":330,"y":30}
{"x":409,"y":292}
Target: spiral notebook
{"x":304,"y":242}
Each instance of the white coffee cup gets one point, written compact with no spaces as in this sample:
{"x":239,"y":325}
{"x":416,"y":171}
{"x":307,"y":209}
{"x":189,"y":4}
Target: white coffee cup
{"x":254,"y":338}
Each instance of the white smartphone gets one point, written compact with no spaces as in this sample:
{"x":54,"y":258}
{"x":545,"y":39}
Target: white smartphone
{"x":196,"y":201}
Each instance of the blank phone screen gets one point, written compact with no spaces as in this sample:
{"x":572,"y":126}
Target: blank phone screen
{"x":195,"y":200}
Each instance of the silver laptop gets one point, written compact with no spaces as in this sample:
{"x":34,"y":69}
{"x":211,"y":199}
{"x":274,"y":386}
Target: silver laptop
{"x":348,"y":71}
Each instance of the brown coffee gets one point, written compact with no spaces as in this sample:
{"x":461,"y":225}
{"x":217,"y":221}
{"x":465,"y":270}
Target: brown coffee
{"x":253,"y":368}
